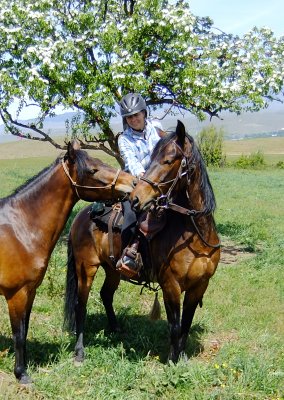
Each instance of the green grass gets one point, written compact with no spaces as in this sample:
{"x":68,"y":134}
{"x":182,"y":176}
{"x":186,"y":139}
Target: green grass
{"x":236,"y":344}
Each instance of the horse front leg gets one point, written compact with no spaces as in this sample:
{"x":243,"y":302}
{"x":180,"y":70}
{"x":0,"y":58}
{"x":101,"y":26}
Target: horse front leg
{"x":192,"y":298}
{"x":20,"y":305}
{"x":172,"y":305}
{"x":108,"y":289}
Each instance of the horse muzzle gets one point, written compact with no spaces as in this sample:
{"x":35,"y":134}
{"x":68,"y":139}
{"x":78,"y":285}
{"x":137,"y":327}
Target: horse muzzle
{"x":137,"y":206}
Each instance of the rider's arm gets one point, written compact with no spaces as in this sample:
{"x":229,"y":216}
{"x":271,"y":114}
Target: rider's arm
{"x":128,"y":152}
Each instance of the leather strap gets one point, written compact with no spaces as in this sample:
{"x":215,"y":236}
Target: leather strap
{"x":112,"y":220}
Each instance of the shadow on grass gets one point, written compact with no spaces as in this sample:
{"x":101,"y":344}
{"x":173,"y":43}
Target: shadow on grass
{"x":139,"y":335}
{"x":38,"y":352}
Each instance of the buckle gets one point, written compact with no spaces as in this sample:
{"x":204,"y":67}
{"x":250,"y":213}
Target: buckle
{"x":162,"y":201}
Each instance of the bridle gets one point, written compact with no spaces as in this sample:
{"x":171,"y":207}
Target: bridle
{"x":164,"y":202}
{"x":76,"y":185}
{"x":186,"y":168}
{"x":185,"y":162}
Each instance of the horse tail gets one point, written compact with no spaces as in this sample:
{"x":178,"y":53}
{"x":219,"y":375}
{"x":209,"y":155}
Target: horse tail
{"x":71,"y":291}
{"x":155,"y":312}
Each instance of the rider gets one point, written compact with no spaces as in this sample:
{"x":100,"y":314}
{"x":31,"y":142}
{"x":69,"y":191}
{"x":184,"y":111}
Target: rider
{"x":135,"y":144}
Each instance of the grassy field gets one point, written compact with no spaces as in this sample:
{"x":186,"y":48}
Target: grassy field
{"x":236,"y":346}
{"x":272,"y":148}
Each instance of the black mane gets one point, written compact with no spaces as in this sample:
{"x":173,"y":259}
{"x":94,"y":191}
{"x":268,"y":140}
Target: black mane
{"x":196,"y":159}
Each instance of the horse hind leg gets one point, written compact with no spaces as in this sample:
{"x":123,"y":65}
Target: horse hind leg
{"x":108,"y":289}
{"x":20,"y":305}
{"x":84,"y":287}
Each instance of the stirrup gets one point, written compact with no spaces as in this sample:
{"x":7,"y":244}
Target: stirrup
{"x":129,"y":267}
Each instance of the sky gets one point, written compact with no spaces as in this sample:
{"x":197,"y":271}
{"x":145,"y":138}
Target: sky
{"x":236,"y":17}
{"x":239,"y":16}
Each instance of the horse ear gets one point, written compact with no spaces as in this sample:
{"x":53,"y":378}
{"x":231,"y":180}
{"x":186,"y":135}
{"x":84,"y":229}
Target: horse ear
{"x":71,"y":148}
{"x":180,"y":131}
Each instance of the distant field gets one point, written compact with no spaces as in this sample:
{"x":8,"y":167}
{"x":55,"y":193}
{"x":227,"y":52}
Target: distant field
{"x":272,"y":148}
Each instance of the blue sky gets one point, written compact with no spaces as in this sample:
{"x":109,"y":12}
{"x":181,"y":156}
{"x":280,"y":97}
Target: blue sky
{"x":239,"y":16}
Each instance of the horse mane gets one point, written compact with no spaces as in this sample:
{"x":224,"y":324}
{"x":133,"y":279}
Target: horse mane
{"x":42,"y":176}
{"x":197,"y":159}
{"x":209,"y":201}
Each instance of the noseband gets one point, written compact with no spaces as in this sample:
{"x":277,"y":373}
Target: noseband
{"x":76,"y":185}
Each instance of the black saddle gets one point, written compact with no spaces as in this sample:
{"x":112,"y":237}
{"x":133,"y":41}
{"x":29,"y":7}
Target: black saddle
{"x":106,"y":214}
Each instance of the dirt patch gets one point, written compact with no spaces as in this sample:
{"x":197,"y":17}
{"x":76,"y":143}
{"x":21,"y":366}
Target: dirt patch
{"x":232,"y":253}
{"x":6,"y":381}
{"x":213,"y":345}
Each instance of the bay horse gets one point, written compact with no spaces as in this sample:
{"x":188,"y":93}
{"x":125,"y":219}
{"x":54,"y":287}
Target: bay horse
{"x":31,"y":221}
{"x":183,"y":255}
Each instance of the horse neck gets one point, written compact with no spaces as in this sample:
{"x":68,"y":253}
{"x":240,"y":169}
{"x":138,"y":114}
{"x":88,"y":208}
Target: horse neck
{"x":44,"y":206}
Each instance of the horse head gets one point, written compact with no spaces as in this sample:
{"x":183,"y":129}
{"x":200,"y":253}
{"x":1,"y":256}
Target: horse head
{"x":91,"y":178}
{"x":169,"y":165}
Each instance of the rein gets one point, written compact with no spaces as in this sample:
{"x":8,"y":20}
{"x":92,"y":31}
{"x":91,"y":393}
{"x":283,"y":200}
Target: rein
{"x":191,"y":214}
{"x":76,"y":185}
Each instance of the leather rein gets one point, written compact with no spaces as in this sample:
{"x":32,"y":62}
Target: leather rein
{"x":163,"y":201}
{"x":76,"y":185}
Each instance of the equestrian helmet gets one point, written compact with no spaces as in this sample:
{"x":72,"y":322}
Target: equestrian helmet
{"x":132,"y":103}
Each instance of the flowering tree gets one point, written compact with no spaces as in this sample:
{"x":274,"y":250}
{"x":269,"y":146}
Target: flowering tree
{"x":86,"y":54}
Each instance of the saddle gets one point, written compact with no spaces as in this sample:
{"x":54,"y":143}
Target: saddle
{"x":110,"y":218}
{"x":104,"y":214}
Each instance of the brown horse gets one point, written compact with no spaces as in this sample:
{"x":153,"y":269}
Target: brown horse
{"x":184,"y":255}
{"x":31,"y":220}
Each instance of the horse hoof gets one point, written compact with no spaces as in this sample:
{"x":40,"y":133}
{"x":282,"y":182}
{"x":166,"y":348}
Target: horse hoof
{"x":78,"y":360}
{"x":25,"y":380}
{"x":183,"y":357}
{"x":78,"y":363}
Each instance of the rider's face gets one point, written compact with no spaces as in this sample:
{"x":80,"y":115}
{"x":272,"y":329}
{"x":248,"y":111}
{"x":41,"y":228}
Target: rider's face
{"x":136,"y":121}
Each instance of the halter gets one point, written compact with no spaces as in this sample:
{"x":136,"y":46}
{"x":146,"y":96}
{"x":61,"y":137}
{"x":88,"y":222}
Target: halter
{"x":163,"y":202}
{"x":76,"y":185}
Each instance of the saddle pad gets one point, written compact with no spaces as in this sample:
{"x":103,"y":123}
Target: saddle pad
{"x":104,"y":217}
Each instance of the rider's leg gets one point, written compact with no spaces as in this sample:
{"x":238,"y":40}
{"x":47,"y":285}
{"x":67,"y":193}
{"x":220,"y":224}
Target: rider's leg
{"x":130,"y":242}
